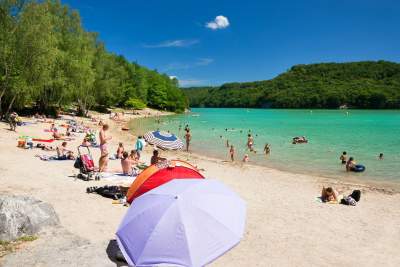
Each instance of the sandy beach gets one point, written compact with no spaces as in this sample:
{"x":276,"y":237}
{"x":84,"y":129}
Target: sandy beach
{"x":285,"y":226}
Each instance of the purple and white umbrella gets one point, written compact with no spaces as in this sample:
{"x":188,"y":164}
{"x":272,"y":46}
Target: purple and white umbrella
{"x":182,"y":223}
{"x":163,"y":140}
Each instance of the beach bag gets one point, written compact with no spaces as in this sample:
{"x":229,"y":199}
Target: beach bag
{"x":356,"y":195}
{"x":348,"y":201}
{"x":78,"y":163}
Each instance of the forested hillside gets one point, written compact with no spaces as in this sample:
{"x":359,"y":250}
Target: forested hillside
{"x":48,"y":61}
{"x":366,"y":84}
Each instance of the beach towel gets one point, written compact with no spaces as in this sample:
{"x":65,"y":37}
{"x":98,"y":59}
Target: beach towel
{"x":43,"y":140}
{"x":51,"y":158}
{"x":117,"y":177}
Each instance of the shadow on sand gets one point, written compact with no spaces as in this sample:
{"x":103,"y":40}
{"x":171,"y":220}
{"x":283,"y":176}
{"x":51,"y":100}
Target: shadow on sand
{"x":115,"y":254}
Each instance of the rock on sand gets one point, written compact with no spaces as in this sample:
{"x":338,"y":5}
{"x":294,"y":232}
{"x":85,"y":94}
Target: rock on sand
{"x":20,"y":215}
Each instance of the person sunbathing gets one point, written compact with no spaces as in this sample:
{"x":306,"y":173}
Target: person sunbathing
{"x":155,"y":158}
{"x":63,"y":153}
{"x":56,"y":134}
{"x":329,"y":195}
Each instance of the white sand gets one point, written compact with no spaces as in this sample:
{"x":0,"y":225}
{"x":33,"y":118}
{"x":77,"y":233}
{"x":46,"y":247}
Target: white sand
{"x":286,"y":226}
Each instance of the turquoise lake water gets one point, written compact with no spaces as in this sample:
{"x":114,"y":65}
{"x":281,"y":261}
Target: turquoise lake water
{"x":362,"y":133}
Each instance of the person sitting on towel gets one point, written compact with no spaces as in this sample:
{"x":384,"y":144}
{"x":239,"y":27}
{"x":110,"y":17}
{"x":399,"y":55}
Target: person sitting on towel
{"x":127,"y":164}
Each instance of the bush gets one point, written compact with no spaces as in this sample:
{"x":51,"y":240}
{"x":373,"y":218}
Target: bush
{"x":135,"y":103}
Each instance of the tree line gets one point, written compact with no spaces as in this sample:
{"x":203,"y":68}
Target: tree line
{"x":367,"y":84}
{"x":48,"y":62}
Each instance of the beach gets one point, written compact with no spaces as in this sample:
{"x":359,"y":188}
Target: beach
{"x":286,"y":225}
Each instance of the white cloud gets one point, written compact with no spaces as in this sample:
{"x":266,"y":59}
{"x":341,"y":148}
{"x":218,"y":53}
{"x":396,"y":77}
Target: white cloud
{"x":220,"y":22}
{"x":204,"y":61}
{"x":176,"y":66}
{"x":200,"y":62}
{"x":191,"y":82}
{"x":173,"y":43}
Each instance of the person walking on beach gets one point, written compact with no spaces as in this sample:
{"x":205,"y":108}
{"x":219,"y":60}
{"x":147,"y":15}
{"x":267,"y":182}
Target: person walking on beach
{"x":139,"y":146}
{"x":103,"y":161}
{"x":13,"y":121}
{"x":188,"y":137}
{"x":232,"y":153}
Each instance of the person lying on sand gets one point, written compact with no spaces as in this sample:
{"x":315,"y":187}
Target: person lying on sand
{"x":329,"y":195}
{"x":44,"y":147}
{"x":58,"y":136}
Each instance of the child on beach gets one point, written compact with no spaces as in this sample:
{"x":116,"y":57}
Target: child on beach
{"x":246,"y":158}
{"x":120,"y":151}
{"x":232,"y":153}
{"x":343,"y":157}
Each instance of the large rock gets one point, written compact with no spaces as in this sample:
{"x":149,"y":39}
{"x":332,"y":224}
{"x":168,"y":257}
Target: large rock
{"x":21,"y":216}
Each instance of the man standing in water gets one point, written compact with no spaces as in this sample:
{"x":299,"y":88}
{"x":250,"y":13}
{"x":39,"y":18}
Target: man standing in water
{"x":232,"y":153}
{"x":103,"y":161}
{"x":188,"y":137}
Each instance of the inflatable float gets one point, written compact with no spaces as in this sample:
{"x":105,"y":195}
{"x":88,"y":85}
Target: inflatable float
{"x":358,"y":168}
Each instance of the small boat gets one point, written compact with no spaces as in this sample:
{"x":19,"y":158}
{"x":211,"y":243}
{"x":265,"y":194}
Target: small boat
{"x":299,"y":140}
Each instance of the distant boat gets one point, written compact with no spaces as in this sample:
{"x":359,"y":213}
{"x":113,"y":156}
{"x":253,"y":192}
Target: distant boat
{"x":343,"y":107}
{"x":196,"y":115}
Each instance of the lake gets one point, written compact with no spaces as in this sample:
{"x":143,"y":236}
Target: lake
{"x":363,"y":134}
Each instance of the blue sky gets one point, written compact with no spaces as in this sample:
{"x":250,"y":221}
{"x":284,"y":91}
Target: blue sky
{"x":250,"y":40}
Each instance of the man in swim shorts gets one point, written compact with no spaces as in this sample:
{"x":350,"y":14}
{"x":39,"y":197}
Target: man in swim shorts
{"x":103,"y":161}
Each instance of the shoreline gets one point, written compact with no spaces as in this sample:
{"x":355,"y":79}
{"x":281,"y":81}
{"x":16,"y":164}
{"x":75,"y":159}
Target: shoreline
{"x":376,"y":185}
{"x":285,"y":223}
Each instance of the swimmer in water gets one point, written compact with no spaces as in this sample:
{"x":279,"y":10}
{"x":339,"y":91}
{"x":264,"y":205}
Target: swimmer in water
{"x":343,"y":157}
{"x":380,"y":156}
{"x":250,"y":142}
{"x":267,"y":149}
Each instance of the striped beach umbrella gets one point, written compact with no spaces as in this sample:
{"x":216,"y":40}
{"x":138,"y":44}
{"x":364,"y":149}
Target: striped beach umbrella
{"x":163,"y":140}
